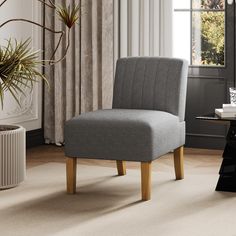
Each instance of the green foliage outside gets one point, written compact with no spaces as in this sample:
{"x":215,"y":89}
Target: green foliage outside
{"x":213,"y":32}
{"x":211,"y":26}
{"x":209,"y":4}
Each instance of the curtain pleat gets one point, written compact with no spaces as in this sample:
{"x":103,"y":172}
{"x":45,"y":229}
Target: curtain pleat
{"x":82,"y":82}
{"x":107,"y":53}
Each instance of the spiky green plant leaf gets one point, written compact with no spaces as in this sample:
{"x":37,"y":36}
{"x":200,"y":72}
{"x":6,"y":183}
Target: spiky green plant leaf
{"x":19,"y":68}
{"x":69,"y":15}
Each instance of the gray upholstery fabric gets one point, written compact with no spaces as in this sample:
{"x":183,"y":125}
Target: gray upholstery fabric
{"x":151,"y":83}
{"x":147,"y":119}
{"x":123,"y":134}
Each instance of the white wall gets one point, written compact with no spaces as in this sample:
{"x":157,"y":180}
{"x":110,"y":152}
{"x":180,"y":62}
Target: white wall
{"x":145,"y":28}
{"x":30,"y":113}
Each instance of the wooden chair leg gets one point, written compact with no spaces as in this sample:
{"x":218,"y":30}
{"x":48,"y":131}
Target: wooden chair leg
{"x":146,"y":180}
{"x":71,"y":175}
{"x":121,"y":167}
{"x":179,"y":162}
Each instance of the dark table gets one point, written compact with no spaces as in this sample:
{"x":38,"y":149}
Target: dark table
{"x":227,"y":179}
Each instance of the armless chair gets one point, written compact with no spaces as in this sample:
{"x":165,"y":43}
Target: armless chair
{"x":145,"y":122}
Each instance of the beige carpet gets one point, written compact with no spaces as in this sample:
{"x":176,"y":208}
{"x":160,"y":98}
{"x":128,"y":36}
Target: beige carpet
{"x":109,"y":205}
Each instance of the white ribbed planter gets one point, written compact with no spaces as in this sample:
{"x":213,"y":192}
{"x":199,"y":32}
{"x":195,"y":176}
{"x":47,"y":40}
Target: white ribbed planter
{"x":12,"y":156}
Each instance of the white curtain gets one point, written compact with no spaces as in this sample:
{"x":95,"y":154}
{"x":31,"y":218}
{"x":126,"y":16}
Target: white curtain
{"x":84,"y":80}
{"x":145,"y":28}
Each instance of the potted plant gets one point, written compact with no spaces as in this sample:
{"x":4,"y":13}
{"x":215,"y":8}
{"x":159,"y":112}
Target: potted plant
{"x":20,"y":69}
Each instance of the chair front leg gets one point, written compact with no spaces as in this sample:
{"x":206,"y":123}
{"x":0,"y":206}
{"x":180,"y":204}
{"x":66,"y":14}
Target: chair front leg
{"x":121,"y":167}
{"x":179,"y":162}
{"x":71,"y":175}
{"x":146,"y":180}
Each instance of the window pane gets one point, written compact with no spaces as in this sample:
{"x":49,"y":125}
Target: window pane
{"x":182,"y":35}
{"x":208,"y":38}
{"x":181,"y":4}
{"x":208,"y":4}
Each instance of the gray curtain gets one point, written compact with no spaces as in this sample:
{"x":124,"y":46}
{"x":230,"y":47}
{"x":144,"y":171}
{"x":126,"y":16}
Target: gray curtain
{"x":84,"y":80}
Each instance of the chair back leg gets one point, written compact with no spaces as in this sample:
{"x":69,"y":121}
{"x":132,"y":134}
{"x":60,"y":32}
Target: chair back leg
{"x":121,"y":167}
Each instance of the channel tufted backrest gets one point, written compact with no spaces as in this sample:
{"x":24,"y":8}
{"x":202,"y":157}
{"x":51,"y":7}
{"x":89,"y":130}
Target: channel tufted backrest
{"x":151,"y":83}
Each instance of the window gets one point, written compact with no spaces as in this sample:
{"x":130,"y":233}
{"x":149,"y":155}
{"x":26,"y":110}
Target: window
{"x":199,"y":31}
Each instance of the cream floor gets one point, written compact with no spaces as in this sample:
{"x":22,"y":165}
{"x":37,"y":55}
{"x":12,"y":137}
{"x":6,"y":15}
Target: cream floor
{"x":107,"y":205}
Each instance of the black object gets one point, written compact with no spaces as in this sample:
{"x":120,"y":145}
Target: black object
{"x":34,"y":138}
{"x":227,"y":179}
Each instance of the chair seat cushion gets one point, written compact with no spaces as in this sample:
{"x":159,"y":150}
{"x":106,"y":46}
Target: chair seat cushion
{"x":123,"y":134}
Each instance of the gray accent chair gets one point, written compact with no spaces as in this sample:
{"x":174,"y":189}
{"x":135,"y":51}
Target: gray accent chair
{"x":145,"y":122}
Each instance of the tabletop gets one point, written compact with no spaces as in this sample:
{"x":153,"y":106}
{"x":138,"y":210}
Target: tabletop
{"x":214,"y":117}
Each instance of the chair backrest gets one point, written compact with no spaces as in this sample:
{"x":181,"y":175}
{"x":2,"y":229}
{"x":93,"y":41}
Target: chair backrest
{"x":151,"y":83}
